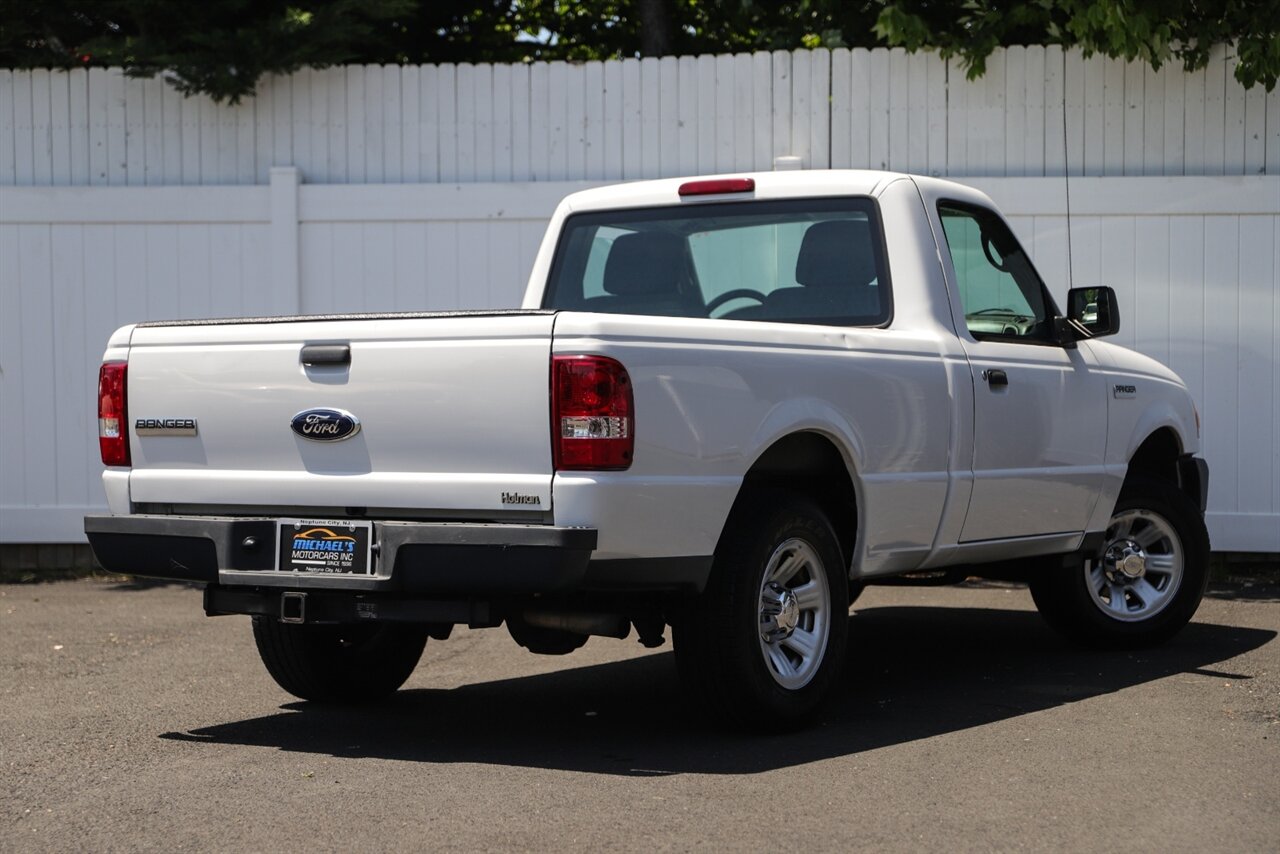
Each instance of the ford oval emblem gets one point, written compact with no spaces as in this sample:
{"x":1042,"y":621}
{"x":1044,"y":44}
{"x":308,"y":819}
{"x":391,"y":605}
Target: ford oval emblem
{"x":325,"y":425}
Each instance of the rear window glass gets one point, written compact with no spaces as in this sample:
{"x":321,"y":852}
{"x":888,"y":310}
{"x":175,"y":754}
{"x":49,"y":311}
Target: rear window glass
{"x":796,"y":261}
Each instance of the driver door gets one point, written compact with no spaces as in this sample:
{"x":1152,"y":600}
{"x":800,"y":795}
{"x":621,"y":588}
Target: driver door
{"x":1040,"y":424}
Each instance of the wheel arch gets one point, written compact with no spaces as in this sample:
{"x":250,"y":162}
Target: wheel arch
{"x":1157,"y":456}
{"x":810,"y":462}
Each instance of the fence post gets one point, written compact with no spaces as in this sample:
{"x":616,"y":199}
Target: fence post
{"x":286,"y":279}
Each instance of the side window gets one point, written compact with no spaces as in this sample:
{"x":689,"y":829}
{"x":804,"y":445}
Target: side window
{"x":1002,"y":296}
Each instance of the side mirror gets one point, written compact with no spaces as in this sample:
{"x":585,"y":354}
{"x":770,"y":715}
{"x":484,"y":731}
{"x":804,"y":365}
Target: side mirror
{"x":1093,"y":310}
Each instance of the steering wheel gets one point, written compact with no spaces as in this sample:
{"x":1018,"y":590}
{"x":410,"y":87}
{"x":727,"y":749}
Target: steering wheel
{"x":736,"y":293}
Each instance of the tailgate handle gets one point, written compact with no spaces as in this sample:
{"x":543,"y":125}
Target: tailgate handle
{"x":326,"y":354}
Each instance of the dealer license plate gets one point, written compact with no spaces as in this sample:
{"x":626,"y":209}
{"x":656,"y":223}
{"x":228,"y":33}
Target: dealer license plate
{"x":325,"y":546}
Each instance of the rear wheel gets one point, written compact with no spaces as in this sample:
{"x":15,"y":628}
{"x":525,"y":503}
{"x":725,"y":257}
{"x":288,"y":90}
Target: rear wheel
{"x":349,"y":663}
{"x":1149,"y":581}
{"x":764,"y":644}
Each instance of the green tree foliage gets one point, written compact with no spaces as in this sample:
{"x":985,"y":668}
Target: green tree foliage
{"x":1153,"y":31}
{"x":602,"y":29}
{"x":222,"y":47}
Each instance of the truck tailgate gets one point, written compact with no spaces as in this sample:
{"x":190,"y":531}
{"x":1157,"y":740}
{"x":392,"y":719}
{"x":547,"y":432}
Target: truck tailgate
{"x":453,"y":414}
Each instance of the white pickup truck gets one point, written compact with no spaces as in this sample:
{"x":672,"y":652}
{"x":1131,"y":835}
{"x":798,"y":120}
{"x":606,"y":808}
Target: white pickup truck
{"x":727,"y":405}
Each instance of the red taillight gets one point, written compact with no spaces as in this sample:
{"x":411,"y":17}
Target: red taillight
{"x":113,"y":414}
{"x":592,"y":413}
{"x":717,"y":185}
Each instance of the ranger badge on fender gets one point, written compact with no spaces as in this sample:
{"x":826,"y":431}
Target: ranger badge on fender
{"x":325,"y":425}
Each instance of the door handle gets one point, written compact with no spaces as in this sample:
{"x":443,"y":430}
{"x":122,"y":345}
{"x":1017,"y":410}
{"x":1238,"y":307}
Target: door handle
{"x":995,"y":377}
{"x":326,"y":354}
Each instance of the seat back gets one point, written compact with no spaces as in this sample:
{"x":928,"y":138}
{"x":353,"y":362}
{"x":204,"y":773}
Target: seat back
{"x":835,"y":269}
{"x":647,"y":272}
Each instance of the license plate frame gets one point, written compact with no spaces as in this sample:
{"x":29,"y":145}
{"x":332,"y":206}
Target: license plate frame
{"x":342,"y":547}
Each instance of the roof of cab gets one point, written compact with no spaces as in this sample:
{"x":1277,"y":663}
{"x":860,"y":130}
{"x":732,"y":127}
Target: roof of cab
{"x":805,"y":183}
{"x":769,"y":185}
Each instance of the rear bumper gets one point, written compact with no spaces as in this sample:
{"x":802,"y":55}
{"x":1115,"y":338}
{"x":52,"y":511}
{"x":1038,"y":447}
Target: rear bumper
{"x":411,"y":557}
{"x":464,"y":561}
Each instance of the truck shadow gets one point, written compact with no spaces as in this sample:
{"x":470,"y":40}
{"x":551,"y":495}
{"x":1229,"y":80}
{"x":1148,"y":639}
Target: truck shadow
{"x":912,"y":673}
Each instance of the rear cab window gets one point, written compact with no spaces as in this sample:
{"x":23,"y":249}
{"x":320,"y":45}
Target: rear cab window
{"x":794,"y":261}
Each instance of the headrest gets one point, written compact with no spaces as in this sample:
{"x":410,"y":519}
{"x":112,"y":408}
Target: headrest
{"x":836,"y":253}
{"x":644,"y":263}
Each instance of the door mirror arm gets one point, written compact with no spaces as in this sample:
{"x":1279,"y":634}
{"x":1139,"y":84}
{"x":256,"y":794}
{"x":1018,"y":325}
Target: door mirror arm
{"x":1066,"y":332}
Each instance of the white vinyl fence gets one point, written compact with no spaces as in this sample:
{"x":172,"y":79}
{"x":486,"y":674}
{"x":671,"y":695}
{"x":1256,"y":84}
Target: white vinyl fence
{"x":427,"y":187}
{"x":1195,"y":261}
{"x":619,"y":120}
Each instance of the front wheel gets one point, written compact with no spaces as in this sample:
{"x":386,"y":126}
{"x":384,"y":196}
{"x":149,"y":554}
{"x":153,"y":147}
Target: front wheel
{"x":764,"y":644}
{"x":347,"y":663}
{"x":1149,"y":580}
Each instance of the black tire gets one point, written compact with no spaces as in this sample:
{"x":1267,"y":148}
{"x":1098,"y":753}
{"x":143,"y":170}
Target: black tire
{"x":725,"y":664}
{"x":350,"y":663}
{"x":1102,"y":605}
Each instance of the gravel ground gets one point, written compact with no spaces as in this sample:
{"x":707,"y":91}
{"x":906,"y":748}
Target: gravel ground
{"x":129,"y":721}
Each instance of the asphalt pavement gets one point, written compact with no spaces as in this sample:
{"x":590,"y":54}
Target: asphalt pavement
{"x":129,"y":721}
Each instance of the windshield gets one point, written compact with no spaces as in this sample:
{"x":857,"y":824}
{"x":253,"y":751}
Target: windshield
{"x":796,"y":261}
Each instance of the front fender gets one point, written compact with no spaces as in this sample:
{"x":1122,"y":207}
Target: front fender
{"x":1157,"y":404}
{"x":1157,"y":416}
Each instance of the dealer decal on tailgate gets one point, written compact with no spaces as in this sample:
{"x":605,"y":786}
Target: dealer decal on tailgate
{"x":325,"y":547}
